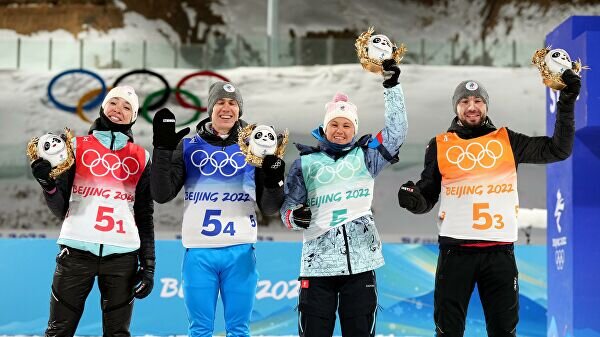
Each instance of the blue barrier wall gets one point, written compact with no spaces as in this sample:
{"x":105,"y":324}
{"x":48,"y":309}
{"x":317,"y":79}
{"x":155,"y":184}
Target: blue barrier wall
{"x":572,"y":194}
{"x":405,"y":287}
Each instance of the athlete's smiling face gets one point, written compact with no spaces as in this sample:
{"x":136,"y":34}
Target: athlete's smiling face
{"x":471,"y":111}
{"x":339,"y":130}
{"x":118,"y":110}
{"x":225,"y":113}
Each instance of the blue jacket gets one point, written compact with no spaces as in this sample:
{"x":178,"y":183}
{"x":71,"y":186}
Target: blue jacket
{"x":326,"y":255}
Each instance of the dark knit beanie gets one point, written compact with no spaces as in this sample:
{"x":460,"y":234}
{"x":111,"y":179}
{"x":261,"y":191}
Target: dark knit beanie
{"x":469,"y":88}
{"x":220,"y":90}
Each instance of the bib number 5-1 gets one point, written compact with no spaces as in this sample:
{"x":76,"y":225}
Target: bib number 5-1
{"x":105,"y":222}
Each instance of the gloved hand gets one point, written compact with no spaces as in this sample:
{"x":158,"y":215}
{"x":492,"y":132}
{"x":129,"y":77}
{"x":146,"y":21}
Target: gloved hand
{"x":569,"y":94}
{"x":274,"y":168}
{"x":301,"y":216}
{"x":144,"y":280}
{"x":40,"y":168}
{"x":410,"y":197}
{"x":391,"y":73}
{"x":163,"y":127}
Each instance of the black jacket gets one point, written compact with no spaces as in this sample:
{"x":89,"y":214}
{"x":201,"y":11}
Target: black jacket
{"x":526,"y":149}
{"x":168,"y":172}
{"x":143,"y":206}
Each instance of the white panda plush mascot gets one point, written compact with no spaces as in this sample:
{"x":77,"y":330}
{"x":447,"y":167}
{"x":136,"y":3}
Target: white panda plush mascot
{"x":558,"y":60}
{"x":52,"y":148}
{"x":380,"y":47}
{"x":263,"y":141}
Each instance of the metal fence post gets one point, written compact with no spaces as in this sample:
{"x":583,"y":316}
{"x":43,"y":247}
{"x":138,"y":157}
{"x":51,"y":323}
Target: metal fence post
{"x":112,"y":54}
{"x":422,"y":51}
{"x":453,"y":52}
{"x":144,"y":52}
{"x":298,"y":50}
{"x":514,"y":53}
{"x":329,"y":50}
{"x":176,"y":56}
{"x":50,"y":54}
{"x":81,"y":54}
{"x":18,"y":52}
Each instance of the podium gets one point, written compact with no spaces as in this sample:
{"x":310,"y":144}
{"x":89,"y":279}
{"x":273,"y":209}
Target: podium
{"x":573,"y":194}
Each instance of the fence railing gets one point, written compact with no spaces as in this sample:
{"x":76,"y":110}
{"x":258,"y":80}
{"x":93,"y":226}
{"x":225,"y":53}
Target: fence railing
{"x":221,"y":52}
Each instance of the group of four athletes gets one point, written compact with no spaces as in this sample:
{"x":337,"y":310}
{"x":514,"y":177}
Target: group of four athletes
{"x":327,"y":195}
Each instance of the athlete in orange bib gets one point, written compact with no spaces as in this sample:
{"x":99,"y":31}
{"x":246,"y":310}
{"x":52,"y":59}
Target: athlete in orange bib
{"x":472,"y":168}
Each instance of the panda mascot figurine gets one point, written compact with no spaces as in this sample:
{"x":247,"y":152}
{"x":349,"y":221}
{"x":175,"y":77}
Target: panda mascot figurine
{"x":263,"y":141}
{"x":52,"y":148}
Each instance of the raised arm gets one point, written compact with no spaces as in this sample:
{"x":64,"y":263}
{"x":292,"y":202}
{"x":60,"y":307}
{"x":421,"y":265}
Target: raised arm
{"x":544,"y":149}
{"x":383,"y":148}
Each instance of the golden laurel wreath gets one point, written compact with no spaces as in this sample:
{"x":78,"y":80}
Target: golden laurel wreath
{"x":61,"y":168}
{"x":252,"y":159}
{"x":374,"y":65}
{"x":550,"y":79}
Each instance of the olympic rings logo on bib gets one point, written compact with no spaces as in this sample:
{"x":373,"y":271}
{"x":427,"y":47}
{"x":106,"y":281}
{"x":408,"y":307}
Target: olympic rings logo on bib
{"x":345,"y":170}
{"x":218,"y":161}
{"x":475,"y":154}
{"x":100,"y":166}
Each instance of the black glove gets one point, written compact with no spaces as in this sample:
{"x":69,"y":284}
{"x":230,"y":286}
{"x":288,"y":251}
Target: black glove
{"x":274,"y":168}
{"x":301,"y":216}
{"x":163,"y":127}
{"x":391,"y":73}
{"x":410,"y":197}
{"x":144,"y":280}
{"x":569,"y":94}
{"x":40,"y":168}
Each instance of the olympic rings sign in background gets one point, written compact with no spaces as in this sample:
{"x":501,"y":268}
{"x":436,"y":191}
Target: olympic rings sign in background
{"x":93,"y":98}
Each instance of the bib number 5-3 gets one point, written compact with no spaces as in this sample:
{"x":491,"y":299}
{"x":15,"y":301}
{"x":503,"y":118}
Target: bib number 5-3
{"x":483,"y":219}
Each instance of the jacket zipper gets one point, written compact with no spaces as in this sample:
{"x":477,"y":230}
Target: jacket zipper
{"x":347,"y":249}
{"x":112,"y":140}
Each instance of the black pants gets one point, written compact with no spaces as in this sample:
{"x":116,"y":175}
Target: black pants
{"x":353,"y":296}
{"x":495,"y":273}
{"x":73,"y":280}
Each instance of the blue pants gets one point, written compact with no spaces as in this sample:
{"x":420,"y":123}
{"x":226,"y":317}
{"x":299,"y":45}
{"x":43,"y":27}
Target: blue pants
{"x":230,"y":271}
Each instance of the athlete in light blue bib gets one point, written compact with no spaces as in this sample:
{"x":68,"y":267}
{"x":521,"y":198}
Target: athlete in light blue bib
{"x":329,"y":191}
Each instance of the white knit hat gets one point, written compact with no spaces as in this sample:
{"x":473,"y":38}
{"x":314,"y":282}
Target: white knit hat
{"x":127,"y":93}
{"x":341,"y":107}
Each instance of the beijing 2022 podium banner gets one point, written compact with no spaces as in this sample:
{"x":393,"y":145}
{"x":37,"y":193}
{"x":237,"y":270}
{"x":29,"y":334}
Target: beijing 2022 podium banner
{"x":405,"y":288}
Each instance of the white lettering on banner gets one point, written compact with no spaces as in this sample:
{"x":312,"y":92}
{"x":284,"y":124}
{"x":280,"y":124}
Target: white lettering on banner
{"x":553,"y":99}
{"x":171,"y":287}
{"x":560,"y":207}
{"x":559,"y":259}
{"x":278,"y":291}
{"x":110,"y":163}
{"x":218,"y":160}
{"x":559,"y":242}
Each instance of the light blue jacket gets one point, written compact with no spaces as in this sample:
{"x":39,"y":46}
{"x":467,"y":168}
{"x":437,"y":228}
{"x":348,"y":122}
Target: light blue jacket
{"x":354,"y":247}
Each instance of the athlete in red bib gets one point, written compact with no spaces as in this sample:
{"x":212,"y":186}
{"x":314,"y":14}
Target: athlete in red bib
{"x":108,"y":230}
{"x":472,"y":168}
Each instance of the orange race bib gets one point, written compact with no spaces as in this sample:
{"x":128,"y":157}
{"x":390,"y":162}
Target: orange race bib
{"x":479,"y":198}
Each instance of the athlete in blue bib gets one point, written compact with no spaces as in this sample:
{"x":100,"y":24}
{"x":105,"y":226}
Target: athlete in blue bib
{"x":219,"y":221}
{"x":329,"y":191}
